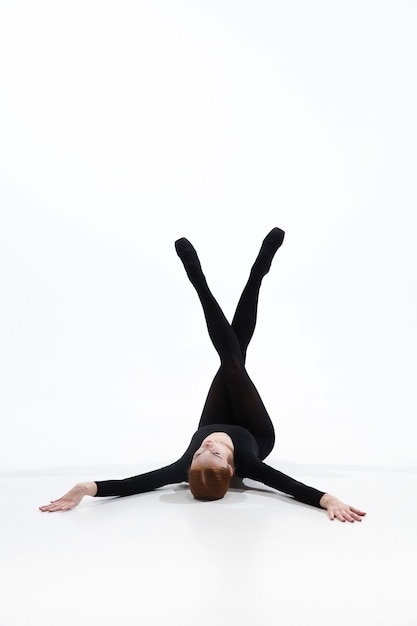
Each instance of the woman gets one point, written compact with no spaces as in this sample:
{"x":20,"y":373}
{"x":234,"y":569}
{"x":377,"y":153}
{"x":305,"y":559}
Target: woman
{"x":235,"y":433}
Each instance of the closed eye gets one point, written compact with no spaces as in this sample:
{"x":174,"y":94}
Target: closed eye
{"x":214,"y":453}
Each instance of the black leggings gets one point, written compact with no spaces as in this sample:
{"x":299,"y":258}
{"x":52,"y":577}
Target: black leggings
{"x":233,"y":398}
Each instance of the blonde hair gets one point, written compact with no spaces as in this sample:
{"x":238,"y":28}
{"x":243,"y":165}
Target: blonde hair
{"x":210,"y":483}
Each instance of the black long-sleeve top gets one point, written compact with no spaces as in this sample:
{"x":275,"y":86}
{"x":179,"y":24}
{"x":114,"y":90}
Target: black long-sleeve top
{"x":247,"y":465}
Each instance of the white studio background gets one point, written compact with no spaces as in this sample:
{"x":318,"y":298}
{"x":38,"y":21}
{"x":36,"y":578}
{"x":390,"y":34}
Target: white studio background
{"x":125,"y":125}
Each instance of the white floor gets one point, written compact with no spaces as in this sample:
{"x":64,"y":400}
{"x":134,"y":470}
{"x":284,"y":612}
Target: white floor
{"x":253,"y":558}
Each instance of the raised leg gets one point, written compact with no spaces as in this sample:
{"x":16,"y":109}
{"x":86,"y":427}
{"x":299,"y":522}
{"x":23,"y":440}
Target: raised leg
{"x":244,"y":320}
{"x":217,"y":408}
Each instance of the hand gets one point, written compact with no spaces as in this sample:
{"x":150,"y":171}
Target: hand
{"x":339,"y":510}
{"x":71,"y":499}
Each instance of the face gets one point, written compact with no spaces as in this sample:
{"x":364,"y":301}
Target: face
{"x":213,"y":452}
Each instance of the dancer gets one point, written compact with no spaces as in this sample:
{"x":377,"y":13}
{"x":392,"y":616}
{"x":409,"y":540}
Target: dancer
{"x":235,"y":433}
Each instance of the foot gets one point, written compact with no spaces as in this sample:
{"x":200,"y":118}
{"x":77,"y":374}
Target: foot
{"x":188,"y":256}
{"x":270,"y":245}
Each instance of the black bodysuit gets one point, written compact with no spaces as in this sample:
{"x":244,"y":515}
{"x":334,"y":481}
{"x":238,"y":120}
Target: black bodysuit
{"x":233,"y":404}
{"x":247,"y":465}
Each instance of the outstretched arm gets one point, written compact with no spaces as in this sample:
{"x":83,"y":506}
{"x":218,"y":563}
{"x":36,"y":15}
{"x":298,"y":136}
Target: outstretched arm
{"x":174,"y":473}
{"x":257,"y":470}
{"x":339,"y":510}
{"x":72,"y":498}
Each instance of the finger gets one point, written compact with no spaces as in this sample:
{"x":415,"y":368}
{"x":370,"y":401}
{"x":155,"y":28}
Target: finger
{"x":53,"y":505}
{"x":357,"y":511}
{"x":46,"y":507}
{"x":57,"y":506}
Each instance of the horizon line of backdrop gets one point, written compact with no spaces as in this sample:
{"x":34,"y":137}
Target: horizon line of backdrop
{"x":126,"y":125}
